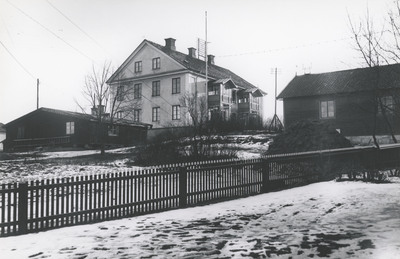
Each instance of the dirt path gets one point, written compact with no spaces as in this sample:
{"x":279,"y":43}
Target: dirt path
{"x":336,"y":220}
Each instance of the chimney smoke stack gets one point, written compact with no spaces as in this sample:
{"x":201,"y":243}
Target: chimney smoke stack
{"x":170,"y":43}
{"x":210,"y":59}
{"x":192,"y":52}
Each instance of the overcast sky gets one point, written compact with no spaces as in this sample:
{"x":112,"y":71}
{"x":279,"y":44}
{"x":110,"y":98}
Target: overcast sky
{"x":57,"y":41}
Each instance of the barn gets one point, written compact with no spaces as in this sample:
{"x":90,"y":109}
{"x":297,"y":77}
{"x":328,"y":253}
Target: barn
{"x":47,"y":127}
{"x":359,"y":103}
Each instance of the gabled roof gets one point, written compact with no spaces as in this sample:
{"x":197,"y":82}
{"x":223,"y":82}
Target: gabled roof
{"x":2,"y":128}
{"x":79,"y":116}
{"x":346,"y":81}
{"x":193,"y":64}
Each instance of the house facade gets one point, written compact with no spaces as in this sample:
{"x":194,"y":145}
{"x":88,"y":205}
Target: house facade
{"x":359,"y":103}
{"x":46,"y":127}
{"x":162,"y":78}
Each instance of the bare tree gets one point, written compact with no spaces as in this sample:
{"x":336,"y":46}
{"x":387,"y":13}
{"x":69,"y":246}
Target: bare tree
{"x":197,"y":110}
{"x":375,"y":51}
{"x":109,"y":103}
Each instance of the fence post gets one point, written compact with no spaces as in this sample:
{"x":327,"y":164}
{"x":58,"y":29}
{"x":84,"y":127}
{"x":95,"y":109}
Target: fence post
{"x":23,"y":208}
{"x":182,"y":187}
{"x":265,"y":176}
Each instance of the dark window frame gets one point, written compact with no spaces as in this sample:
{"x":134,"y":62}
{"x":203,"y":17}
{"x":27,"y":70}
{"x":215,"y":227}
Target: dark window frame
{"x":121,"y":93}
{"x":136,"y":115}
{"x":155,"y":88}
{"x":138,"y":66}
{"x":155,"y":114}
{"x":137,"y":91}
{"x":176,"y":112}
{"x":156,"y":63}
{"x":176,"y":85}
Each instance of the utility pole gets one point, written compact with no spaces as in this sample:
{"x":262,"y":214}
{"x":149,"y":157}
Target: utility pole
{"x":276,"y":123}
{"x":37,"y":93}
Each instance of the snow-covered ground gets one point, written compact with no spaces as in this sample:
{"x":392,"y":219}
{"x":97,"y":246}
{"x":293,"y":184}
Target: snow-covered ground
{"x":335,"y":219}
{"x":38,"y":167}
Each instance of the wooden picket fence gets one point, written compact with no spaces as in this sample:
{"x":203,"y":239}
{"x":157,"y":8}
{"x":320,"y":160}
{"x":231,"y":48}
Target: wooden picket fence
{"x":34,"y":206}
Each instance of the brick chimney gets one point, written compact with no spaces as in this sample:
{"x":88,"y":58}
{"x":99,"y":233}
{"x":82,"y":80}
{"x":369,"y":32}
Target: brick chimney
{"x":210,"y":59}
{"x":192,"y":52}
{"x":170,"y":43}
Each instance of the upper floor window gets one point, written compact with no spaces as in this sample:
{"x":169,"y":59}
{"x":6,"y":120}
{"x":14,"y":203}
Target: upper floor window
{"x":137,"y":91}
{"x":70,"y":128}
{"x":176,"y":85}
{"x":243,"y":100}
{"x":120,"y":93}
{"x":156,"y":63}
{"x":138,"y":66}
{"x":327,"y":109}
{"x":113,"y":130}
{"x":176,"y":112}
{"x":156,"y":114}
{"x":213,"y":90}
{"x":386,"y":104}
{"x":136,"y":115}
{"x":155,"y":90}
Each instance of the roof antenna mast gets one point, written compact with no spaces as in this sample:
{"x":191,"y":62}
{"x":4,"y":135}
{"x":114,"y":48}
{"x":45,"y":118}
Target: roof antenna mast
{"x":37,"y":93}
{"x":206,"y":57}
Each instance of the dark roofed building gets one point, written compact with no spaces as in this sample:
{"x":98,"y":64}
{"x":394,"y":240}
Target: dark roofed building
{"x":58,"y":128}
{"x":161,"y":75}
{"x":349,"y":100}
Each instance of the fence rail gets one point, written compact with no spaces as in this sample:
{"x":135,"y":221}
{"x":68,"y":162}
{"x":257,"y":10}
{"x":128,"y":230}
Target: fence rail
{"x":40,"y":205}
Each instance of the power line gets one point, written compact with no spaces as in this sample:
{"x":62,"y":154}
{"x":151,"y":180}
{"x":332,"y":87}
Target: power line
{"x":73,"y":23}
{"x":16,"y":60}
{"x":292,"y":47}
{"x":51,"y":32}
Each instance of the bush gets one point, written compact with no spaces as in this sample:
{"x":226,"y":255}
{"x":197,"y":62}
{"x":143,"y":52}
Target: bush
{"x":308,"y":136}
{"x":178,"y":152}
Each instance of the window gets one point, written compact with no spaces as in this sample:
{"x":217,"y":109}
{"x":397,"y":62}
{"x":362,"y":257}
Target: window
{"x":327,"y":109}
{"x":387,"y":104}
{"x":113,"y":130}
{"x":136,"y":115}
{"x":120,"y":93}
{"x":156,"y":63}
{"x":138,"y":66}
{"x":21,"y":132}
{"x":155,"y":88}
{"x":213,"y":90}
{"x":176,"y":85}
{"x":243,"y":100}
{"x":176,"y":112}
{"x":70,"y":128}
{"x":156,"y":114}
{"x":119,"y":115}
{"x":137,"y":91}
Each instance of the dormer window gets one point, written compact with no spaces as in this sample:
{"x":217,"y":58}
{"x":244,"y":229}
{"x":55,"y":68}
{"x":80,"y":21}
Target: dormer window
{"x":156,"y":63}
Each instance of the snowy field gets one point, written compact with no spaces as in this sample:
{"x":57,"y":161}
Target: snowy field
{"x":50,"y":165}
{"x":329,"y":219}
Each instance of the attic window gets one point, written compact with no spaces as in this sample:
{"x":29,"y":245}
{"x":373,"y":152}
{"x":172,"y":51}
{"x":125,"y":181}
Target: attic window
{"x":138,"y":66}
{"x":156,"y":63}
